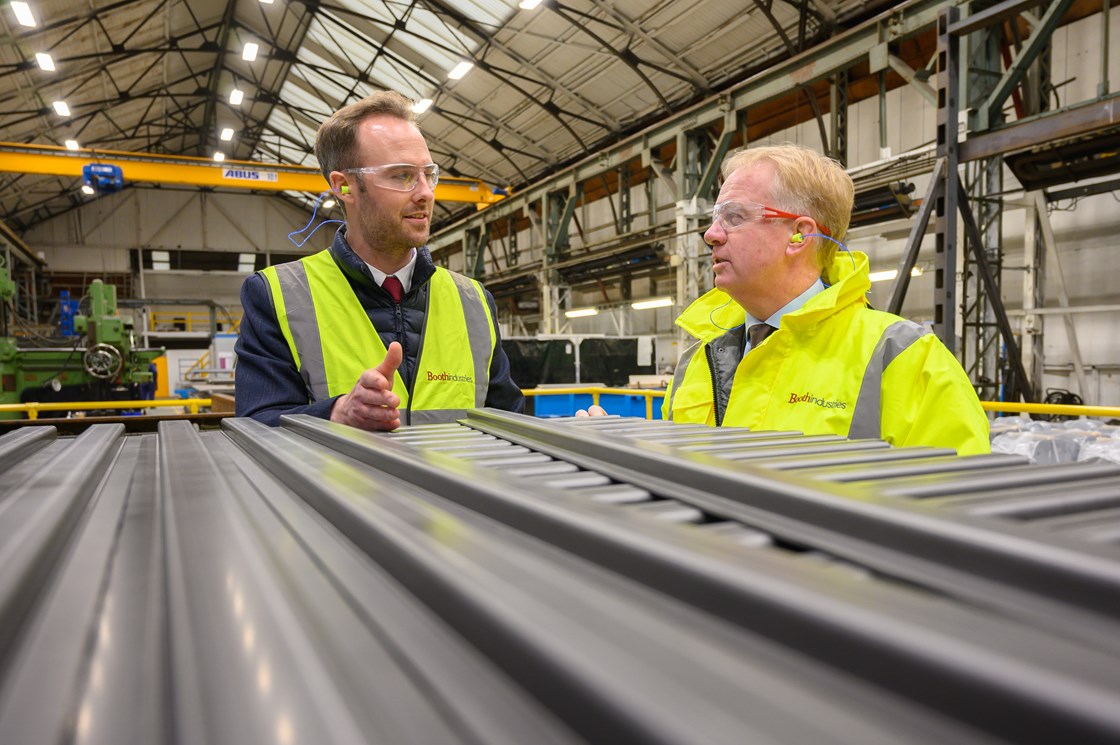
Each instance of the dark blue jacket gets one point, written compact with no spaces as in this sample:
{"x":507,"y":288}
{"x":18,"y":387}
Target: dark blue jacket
{"x":268,"y":383}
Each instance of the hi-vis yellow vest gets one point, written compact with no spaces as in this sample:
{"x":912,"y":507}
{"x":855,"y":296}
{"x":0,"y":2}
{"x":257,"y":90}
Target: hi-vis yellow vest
{"x":333,"y":341}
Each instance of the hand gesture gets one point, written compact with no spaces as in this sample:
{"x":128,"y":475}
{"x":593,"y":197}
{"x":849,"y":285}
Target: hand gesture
{"x":592,"y":411}
{"x":372,"y":404}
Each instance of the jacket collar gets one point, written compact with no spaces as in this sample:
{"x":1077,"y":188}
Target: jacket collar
{"x":353,"y":266}
{"x":715,"y":313}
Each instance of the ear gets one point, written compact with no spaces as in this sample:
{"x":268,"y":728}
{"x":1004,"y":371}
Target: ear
{"x":340,"y":186}
{"x":800,"y":240}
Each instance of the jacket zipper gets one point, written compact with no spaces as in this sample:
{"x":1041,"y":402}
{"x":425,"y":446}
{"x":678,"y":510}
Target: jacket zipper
{"x":712,"y":374}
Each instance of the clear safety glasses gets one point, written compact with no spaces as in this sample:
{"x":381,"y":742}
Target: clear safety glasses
{"x":732,"y":215}
{"x":399,"y":176}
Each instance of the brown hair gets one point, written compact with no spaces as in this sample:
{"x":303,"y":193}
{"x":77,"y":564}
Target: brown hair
{"x":337,"y":136}
{"x":807,"y":183}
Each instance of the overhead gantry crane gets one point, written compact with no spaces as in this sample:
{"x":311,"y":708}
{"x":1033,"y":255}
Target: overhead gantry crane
{"x":229,"y":174}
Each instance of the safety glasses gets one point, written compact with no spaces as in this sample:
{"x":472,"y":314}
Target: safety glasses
{"x":732,"y":215}
{"x":399,"y":176}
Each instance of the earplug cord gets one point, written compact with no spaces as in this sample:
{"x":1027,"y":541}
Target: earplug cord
{"x":315,"y":212}
{"x":829,"y":238}
{"x":711,"y":317}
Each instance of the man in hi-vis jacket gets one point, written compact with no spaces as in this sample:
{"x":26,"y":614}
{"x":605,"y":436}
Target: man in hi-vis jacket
{"x":370,"y":332}
{"x":786,"y":340}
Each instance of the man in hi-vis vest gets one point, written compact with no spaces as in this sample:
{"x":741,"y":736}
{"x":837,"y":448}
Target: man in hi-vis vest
{"x":370,"y":332}
{"x":786,"y":340}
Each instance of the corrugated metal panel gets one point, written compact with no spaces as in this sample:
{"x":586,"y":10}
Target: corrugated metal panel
{"x":522,"y":581}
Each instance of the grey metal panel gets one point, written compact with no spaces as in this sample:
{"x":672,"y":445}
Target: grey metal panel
{"x":316,"y":583}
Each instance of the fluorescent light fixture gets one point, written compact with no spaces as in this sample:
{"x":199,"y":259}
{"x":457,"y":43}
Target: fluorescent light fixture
{"x":219,"y":156}
{"x":45,"y":61}
{"x":23,"y":13}
{"x":72,"y":145}
{"x":227,"y":134}
{"x":888,"y":274}
{"x":235,"y":97}
{"x":328,"y":204}
{"x":528,"y":4}
{"x":267,"y":2}
{"x":161,"y":256}
{"x":653,"y":302}
{"x":460,"y":70}
{"x":421,"y":106}
{"x":249,"y":53}
{"x":61,"y":108}
{"x":581,"y":312}
{"x":87,"y":189}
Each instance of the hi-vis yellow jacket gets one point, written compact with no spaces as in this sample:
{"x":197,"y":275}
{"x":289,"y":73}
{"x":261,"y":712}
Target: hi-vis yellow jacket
{"x":332,"y":339}
{"x":833,"y":367}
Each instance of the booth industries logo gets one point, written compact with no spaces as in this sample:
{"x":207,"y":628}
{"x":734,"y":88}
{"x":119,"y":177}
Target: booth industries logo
{"x":248,"y":174}
{"x":450,"y":377}
{"x":809,"y":398}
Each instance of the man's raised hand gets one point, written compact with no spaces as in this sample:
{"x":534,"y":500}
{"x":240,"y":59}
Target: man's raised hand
{"x":371,"y":404}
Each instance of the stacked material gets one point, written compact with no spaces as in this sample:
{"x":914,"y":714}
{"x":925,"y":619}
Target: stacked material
{"x":512,"y":580}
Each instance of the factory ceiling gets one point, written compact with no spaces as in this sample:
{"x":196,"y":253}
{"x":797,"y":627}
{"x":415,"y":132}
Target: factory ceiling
{"x":546,"y":85}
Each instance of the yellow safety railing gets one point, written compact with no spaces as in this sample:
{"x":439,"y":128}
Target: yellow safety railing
{"x":1009,"y":407}
{"x":33,"y":408}
{"x":597,"y":391}
{"x":194,"y":404}
{"x":1059,"y":409}
{"x":183,"y":320}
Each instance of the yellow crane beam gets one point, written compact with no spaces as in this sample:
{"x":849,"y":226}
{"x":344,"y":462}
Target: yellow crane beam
{"x":230,"y":174}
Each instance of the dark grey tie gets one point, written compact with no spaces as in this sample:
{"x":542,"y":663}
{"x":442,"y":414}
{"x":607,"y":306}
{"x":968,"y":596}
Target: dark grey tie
{"x":758,"y":332}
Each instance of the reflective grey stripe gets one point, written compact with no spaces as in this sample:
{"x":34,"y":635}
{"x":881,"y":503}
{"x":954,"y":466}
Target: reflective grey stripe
{"x":678,"y":374}
{"x":478,"y":334}
{"x":304,"y":327}
{"x":436,"y":416}
{"x":896,"y":339}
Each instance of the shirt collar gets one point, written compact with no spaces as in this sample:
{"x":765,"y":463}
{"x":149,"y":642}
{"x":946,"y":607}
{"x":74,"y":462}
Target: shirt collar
{"x":776,"y":320}
{"x":404,"y":274}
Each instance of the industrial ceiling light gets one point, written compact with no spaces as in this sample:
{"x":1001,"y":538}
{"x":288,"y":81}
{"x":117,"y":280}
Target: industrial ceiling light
{"x":226,"y":135}
{"x":653,"y":302}
{"x":87,"y":189}
{"x":235,"y":97}
{"x":61,"y":108}
{"x":581,"y":312}
{"x":249,"y":53}
{"x":219,"y":156}
{"x":328,"y":204}
{"x":421,"y":106}
{"x":72,"y":145}
{"x":460,"y":70}
{"x":45,"y":61}
{"x":23,"y":13}
{"x":267,"y":2}
{"x":528,"y":4}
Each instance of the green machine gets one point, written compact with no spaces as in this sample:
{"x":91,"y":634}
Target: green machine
{"x":99,"y":363}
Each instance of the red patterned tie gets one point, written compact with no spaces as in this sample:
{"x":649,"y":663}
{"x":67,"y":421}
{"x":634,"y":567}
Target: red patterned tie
{"x":393,"y":286}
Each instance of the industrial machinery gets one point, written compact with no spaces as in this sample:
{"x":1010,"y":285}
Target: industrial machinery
{"x":98,"y":363}
{"x":506,"y":580}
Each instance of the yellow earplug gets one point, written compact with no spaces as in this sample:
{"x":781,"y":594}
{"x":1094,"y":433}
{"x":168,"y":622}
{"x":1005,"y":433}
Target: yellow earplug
{"x":345,"y":189}
{"x":795,"y":238}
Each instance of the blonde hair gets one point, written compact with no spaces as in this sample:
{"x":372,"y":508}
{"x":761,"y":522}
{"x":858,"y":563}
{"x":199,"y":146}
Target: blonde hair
{"x":807,"y":183}
{"x":338,"y":135}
